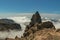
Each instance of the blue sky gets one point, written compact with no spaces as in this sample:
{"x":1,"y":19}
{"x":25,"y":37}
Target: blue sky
{"x":27,"y":6}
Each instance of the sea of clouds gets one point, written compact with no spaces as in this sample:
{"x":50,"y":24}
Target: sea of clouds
{"x":24,"y":20}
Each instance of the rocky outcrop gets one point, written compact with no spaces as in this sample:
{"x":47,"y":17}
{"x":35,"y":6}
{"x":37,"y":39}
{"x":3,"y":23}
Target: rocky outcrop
{"x":37,"y":27}
{"x":36,"y":24}
{"x":6,"y":24}
{"x":36,"y":18}
{"x":47,"y":25}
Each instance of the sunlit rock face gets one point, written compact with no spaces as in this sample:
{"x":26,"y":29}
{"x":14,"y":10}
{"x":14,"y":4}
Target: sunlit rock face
{"x":8,"y":24}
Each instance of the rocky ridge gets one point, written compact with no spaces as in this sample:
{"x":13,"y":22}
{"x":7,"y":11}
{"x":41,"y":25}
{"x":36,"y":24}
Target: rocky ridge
{"x":8,"y":24}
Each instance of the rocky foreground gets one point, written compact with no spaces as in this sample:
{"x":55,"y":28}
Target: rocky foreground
{"x":38,"y":30}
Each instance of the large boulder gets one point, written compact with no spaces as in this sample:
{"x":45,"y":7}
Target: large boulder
{"x":6,"y":24}
{"x":48,"y":25}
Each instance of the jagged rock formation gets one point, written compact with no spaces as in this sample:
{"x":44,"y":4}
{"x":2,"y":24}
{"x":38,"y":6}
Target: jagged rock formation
{"x":38,"y":30}
{"x":6,"y":24}
{"x":36,"y":18}
{"x":37,"y":23}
